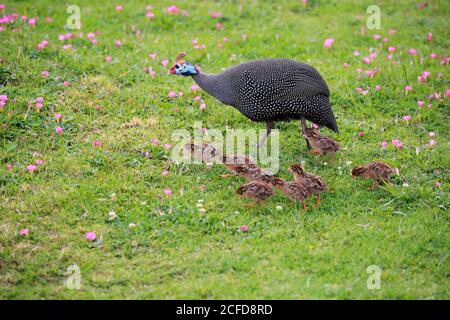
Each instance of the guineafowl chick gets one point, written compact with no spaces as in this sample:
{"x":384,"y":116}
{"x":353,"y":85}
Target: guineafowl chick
{"x":378,"y":171}
{"x":267,"y":90}
{"x":238,"y":159}
{"x":257,"y":190}
{"x":314,"y":183}
{"x":321,"y":144}
{"x":294,"y":191}
{"x":254,"y":173}
{"x":204,"y":152}
{"x":234,"y":161}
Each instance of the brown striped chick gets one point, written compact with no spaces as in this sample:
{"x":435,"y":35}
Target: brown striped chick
{"x":320,"y":144}
{"x":257,"y":190}
{"x":294,"y":191}
{"x":207,"y":152}
{"x":376,"y":170}
{"x":204,"y":152}
{"x":314,"y":183}
{"x":254,"y":173}
{"x":234,"y":161}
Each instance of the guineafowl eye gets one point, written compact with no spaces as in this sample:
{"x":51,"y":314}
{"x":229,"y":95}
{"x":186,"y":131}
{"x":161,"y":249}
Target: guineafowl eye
{"x":177,"y":66}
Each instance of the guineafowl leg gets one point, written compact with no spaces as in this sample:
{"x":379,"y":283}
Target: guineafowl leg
{"x":303,"y":126}
{"x":264,"y":137}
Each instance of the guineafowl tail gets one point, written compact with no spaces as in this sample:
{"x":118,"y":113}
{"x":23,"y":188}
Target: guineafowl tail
{"x":323,"y":114}
{"x":332,"y":124}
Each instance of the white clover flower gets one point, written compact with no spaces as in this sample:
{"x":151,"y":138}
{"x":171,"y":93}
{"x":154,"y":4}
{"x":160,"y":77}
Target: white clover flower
{"x":112,"y":215}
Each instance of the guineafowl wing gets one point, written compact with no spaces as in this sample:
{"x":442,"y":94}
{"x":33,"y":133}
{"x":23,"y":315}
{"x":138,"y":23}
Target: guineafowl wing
{"x":269,"y":79}
{"x":274,"y":88}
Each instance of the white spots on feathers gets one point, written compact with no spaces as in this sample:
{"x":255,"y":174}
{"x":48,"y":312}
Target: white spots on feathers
{"x":276,"y":89}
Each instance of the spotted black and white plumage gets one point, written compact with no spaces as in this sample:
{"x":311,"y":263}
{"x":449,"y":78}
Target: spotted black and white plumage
{"x":271,"y":90}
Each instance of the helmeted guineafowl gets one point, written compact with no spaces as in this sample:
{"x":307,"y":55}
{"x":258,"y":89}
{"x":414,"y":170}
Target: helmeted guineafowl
{"x":267,"y":90}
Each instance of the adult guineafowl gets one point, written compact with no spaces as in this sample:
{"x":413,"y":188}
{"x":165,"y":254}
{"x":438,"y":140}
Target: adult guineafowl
{"x":267,"y":90}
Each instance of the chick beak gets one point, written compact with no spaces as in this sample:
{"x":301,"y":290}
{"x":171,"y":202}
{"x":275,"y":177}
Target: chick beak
{"x":171,"y":71}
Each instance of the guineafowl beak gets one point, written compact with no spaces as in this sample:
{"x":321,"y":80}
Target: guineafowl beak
{"x":171,"y":70}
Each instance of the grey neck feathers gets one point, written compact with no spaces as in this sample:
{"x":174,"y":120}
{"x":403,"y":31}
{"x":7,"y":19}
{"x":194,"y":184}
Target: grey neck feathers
{"x":217,"y":85}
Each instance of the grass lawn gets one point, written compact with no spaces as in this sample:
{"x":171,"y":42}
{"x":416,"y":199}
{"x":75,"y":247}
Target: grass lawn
{"x":165,"y":247}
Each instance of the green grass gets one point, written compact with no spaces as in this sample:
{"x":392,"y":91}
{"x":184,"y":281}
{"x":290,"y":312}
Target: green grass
{"x":175,"y":251}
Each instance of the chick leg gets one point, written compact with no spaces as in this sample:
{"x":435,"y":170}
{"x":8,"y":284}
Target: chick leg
{"x":251,"y":204}
{"x":332,"y":158}
{"x":385,"y":182}
{"x":316,"y":205}
{"x":376,"y":183}
{"x":304,"y":206}
{"x":388,"y":181}
{"x":229,"y":175}
{"x":264,"y":137}
{"x":303,"y":126}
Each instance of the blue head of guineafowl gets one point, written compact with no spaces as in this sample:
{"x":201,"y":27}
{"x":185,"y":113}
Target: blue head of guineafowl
{"x":182,"y":68}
